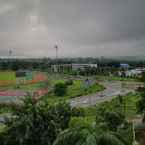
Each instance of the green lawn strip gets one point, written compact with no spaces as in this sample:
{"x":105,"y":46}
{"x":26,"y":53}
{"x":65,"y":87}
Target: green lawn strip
{"x":2,"y":128}
{"x":78,"y":121}
{"x":90,"y":113}
{"x":113,"y":78}
{"x":5,"y":109}
{"x":75,"y":90}
{"x":128,"y":107}
{"x":7,"y":76}
{"x":30,"y":87}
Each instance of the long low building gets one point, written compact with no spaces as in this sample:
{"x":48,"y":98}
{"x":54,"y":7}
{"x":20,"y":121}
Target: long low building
{"x":83,"y":66}
{"x":73,"y":66}
{"x":135,"y":72}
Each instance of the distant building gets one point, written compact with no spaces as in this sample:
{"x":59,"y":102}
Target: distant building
{"x":71,"y":67}
{"x":124,"y":65}
{"x":83,"y":66}
{"x":134,"y":72}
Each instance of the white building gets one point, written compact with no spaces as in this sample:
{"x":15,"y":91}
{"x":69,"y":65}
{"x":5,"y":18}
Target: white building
{"x":83,"y":66}
{"x":134,"y":72}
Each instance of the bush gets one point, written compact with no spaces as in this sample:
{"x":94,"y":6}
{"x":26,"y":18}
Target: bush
{"x":141,"y":103}
{"x":77,"y":112}
{"x":114,"y":120}
{"x":69,"y":82}
{"x":77,"y":122}
{"x":60,"y":89}
{"x":36,"y":124}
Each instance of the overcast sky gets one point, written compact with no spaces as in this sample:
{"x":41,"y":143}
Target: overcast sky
{"x":84,"y":28}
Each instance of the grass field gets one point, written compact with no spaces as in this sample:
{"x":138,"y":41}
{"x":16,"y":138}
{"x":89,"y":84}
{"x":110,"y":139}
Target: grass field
{"x":113,"y":78}
{"x":75,"y":90}
{"x":91,"y":112}
{"x":7,"y":76}
{"x":129,"y":109}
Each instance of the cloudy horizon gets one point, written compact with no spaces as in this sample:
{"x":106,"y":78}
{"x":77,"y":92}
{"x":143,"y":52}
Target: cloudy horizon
{"x":31,"y":28}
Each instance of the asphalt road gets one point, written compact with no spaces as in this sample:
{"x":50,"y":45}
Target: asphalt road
{"x":112,"y":90}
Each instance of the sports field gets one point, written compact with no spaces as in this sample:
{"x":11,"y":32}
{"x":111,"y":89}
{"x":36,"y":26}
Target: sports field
{"x":13,"y":87}
{"x":7,"y":76}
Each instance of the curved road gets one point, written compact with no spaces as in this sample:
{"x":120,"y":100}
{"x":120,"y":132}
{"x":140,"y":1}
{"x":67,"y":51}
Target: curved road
{"x":113,"y":88}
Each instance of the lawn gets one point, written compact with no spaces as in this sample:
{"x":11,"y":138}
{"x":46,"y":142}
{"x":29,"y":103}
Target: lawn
{"x":7,"y":76}
{"x":130,"y":109}
{"x":77,"y":89}
{"x":30,"y":87}
{"x":113,"y":78}
{"x":2,"y":127}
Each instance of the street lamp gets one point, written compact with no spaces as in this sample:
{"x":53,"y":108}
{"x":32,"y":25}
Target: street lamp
{"x":56,"y":49}
{"x":10,"y":53}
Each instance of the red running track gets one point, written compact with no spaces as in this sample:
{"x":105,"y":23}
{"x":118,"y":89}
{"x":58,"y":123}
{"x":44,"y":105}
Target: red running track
{"x":12,"y":93}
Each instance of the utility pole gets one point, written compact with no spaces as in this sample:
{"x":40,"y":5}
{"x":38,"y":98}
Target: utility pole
{"x":56,"y":51}
{"x":10,"y":53}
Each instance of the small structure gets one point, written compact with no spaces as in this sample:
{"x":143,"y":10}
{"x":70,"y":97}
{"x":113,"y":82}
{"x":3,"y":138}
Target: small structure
{"x":134,"y":72}
{"x":124,"y":65}
{"x":71,"y":67}
{"x":83,"y":66}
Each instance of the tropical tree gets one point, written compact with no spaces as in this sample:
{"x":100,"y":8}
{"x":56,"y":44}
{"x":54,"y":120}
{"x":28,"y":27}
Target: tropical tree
{"x":88,"y":136}
{"x":36,"y":123}
{"x":111,"y":128}
{"x":60,"y":89}
{"x":141,"y":102}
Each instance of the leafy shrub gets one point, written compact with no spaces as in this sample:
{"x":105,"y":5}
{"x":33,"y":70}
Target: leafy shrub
{"x":77,"y":112}
{"x":36,"y":124}
{"x":69,"y":82}
{"x":60,"y":89}
{"x":113,"y":120}
{"x":141,"y":103}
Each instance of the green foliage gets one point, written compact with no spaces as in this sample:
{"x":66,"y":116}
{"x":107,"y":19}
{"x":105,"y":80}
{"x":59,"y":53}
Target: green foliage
{"x":78,"y":112}
{"x":80,"y":122}
{"x":127,"y":106}
{"x":7,"y":75}
{"x":141,"y":103}
{"x":88,"y":136}
{"x":110,"y":128}
{"x":143,"y":77}
{"x":127,"y":133}
{"x":36,"y":124}
{"x":60,"y":89}
{"x":114,"y":120}
{"x":69,"y":82}
{"x":109,"y":139}
{"x":110,"y":119}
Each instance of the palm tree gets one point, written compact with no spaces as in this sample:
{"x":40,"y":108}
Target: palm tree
{"x":88,"y":136}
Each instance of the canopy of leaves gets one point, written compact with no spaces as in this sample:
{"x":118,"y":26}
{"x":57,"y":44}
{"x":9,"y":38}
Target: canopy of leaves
{"x":60,"y":89}
{"x":88,"y":136}
{"x":37,"y":124}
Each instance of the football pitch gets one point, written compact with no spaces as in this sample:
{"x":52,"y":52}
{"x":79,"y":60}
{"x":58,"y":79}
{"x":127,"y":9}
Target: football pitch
{"x":7,"y":76}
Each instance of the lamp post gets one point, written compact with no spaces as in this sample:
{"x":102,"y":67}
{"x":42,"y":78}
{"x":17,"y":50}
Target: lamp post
{"x":56,"y":51}
{"x":10,"y":53}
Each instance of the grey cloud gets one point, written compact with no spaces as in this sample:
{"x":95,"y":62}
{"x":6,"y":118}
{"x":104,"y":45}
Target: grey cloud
{"x":80,"y":27}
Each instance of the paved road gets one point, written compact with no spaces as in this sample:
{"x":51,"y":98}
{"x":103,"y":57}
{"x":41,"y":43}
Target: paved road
{"x":112,"y":89}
